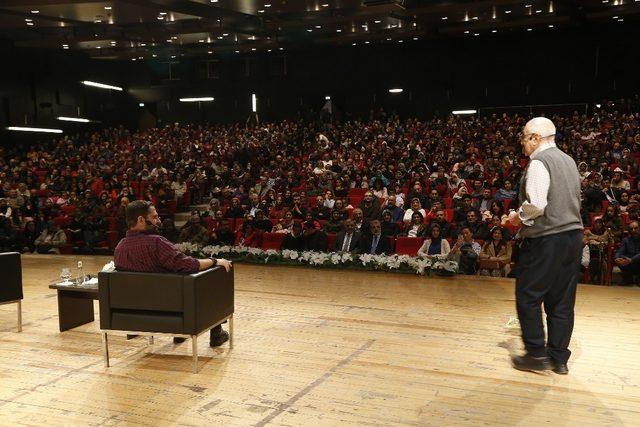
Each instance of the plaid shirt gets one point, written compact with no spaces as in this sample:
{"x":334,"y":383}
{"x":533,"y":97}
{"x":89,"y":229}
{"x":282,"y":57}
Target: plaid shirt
{"x":150,"y":253}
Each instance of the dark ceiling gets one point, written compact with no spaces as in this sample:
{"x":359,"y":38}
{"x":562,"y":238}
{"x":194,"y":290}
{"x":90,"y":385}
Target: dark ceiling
{"x":145,"y":29}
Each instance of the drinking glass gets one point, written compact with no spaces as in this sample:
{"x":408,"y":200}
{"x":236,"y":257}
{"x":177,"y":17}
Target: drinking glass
{"x":65,"y":275}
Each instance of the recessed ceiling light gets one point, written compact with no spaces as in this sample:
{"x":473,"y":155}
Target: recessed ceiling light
{"x":621,"y":20}
{"x":494,"y":31}
{"x":550,"y":25}
{"x":538,"y":11}
{"x":338,"y":30}
{"x":318,"y":26}
{"x":475,"y":18}
{"x":353,"y":44}
{"x":237,"y":51}
{"x":507,"y":12}
{"x":377,"y":21}
{"x":529,"y":29}
{"x":268,"y":50}
{"x":476,"y":34}
{"x":253,"y":49}
{"x":154,"y":56}
{"x":214,"y":1}
{"x":219,"y":37}
{"x":143,"y":44}
{"x":173,"y":56}
{"x":98,"y":21}
{"x":281,"y":48}
{"x":201,"y":41}
{"x":29,"y":20}
{"x":160,"y":18}
{"x":37,"y":11}
{"x":133,"y":59}
{"x":367,"y":42}
{"x":169,"y":40}
{"x":174,"y":37}
{"x":267,"y":5}
{"x":615,"y":17}
{"x":30,"y":24}
{"x":466,"y":32}
{"x":225,"y":34}
{"x":527,"y":5}
{"x":325,"y":5}
{"x":444,"y":18}
{"x":388,"y":39}
{"x":261,"y":11}
{"x":97,"y":47}
{"x":415,"y":38}
{"x":107,"y":8}
{"x":309,"y":30}
{"x":209,"y":52}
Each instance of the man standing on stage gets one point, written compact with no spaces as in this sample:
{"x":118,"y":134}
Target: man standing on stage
{"x":547,"y":270}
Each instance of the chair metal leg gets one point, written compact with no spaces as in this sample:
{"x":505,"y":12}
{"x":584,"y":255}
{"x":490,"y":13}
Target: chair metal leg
{"x":105,"y":349}
{"x":231,"y":331}
{"x":19,"y":315}
{"x":194,"y":345}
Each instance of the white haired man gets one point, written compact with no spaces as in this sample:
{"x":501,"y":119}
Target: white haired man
{"x":550,"y":251}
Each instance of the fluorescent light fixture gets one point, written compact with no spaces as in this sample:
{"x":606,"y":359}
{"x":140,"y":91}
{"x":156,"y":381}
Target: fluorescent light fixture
{"x":73,"y":119}
{"x":200,"y":99}
{"x":327,"y":98}
{"x":254,"y":103}
{"x":461,"y":112}
{"x":395,"y":90}
{"x":100,"y":85}
{"x":141,"y":104}
{"x":30,"y":129}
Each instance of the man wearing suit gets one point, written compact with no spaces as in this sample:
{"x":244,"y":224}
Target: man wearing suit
{"x":374,"y":242}
{"x":347,"y":240}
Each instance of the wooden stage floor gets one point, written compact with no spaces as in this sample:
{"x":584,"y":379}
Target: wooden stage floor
{"x":324,"y":347}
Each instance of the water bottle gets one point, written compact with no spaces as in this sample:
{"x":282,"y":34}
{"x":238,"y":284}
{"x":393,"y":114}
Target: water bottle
{"x":80,"y":276}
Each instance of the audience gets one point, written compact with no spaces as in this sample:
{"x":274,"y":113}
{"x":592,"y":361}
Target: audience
{"x":442,"y":168}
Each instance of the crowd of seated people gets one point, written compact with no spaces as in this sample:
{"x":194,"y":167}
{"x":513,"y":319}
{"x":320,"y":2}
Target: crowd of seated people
{"x":381,"y":184}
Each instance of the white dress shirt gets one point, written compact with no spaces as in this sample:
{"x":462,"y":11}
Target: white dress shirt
{"x":537,"y":182}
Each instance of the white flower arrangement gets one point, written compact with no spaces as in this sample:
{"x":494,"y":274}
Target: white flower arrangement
{"x":403,"y":263}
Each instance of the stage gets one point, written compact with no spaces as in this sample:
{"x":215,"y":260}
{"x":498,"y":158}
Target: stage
{"x":324,"y":347}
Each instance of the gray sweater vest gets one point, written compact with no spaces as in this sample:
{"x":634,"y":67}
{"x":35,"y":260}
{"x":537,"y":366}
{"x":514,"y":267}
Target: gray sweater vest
{"x":563,"y":200}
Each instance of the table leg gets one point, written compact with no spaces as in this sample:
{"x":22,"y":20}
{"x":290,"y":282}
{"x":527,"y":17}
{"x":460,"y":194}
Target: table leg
{"x":74,"y":309}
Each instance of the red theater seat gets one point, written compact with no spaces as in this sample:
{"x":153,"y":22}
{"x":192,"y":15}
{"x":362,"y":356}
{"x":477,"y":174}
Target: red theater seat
{"x":408,"y":245}
{"x":272,"y":240}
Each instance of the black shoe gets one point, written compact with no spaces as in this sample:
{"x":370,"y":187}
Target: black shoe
{"x":178,"y":340}
{"x":218,"y":338}
{"x":530,"y":363}
{"x":130,"y":337}
{"x":560,"y":368}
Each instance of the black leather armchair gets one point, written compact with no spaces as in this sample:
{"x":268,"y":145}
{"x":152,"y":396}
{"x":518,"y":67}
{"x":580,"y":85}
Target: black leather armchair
{"x":11,"y":283}
{"x":165,"y":304}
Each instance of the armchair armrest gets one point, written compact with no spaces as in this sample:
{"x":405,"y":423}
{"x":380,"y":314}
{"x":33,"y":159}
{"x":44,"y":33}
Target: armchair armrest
{"x":208,"y":298}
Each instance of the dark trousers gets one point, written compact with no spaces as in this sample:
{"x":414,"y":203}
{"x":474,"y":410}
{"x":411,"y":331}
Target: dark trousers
{"x":548,"y":273}
{"x":630,"y":272}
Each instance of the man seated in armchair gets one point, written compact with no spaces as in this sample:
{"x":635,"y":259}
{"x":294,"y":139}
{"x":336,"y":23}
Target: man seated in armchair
{"x":144,"y":250}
